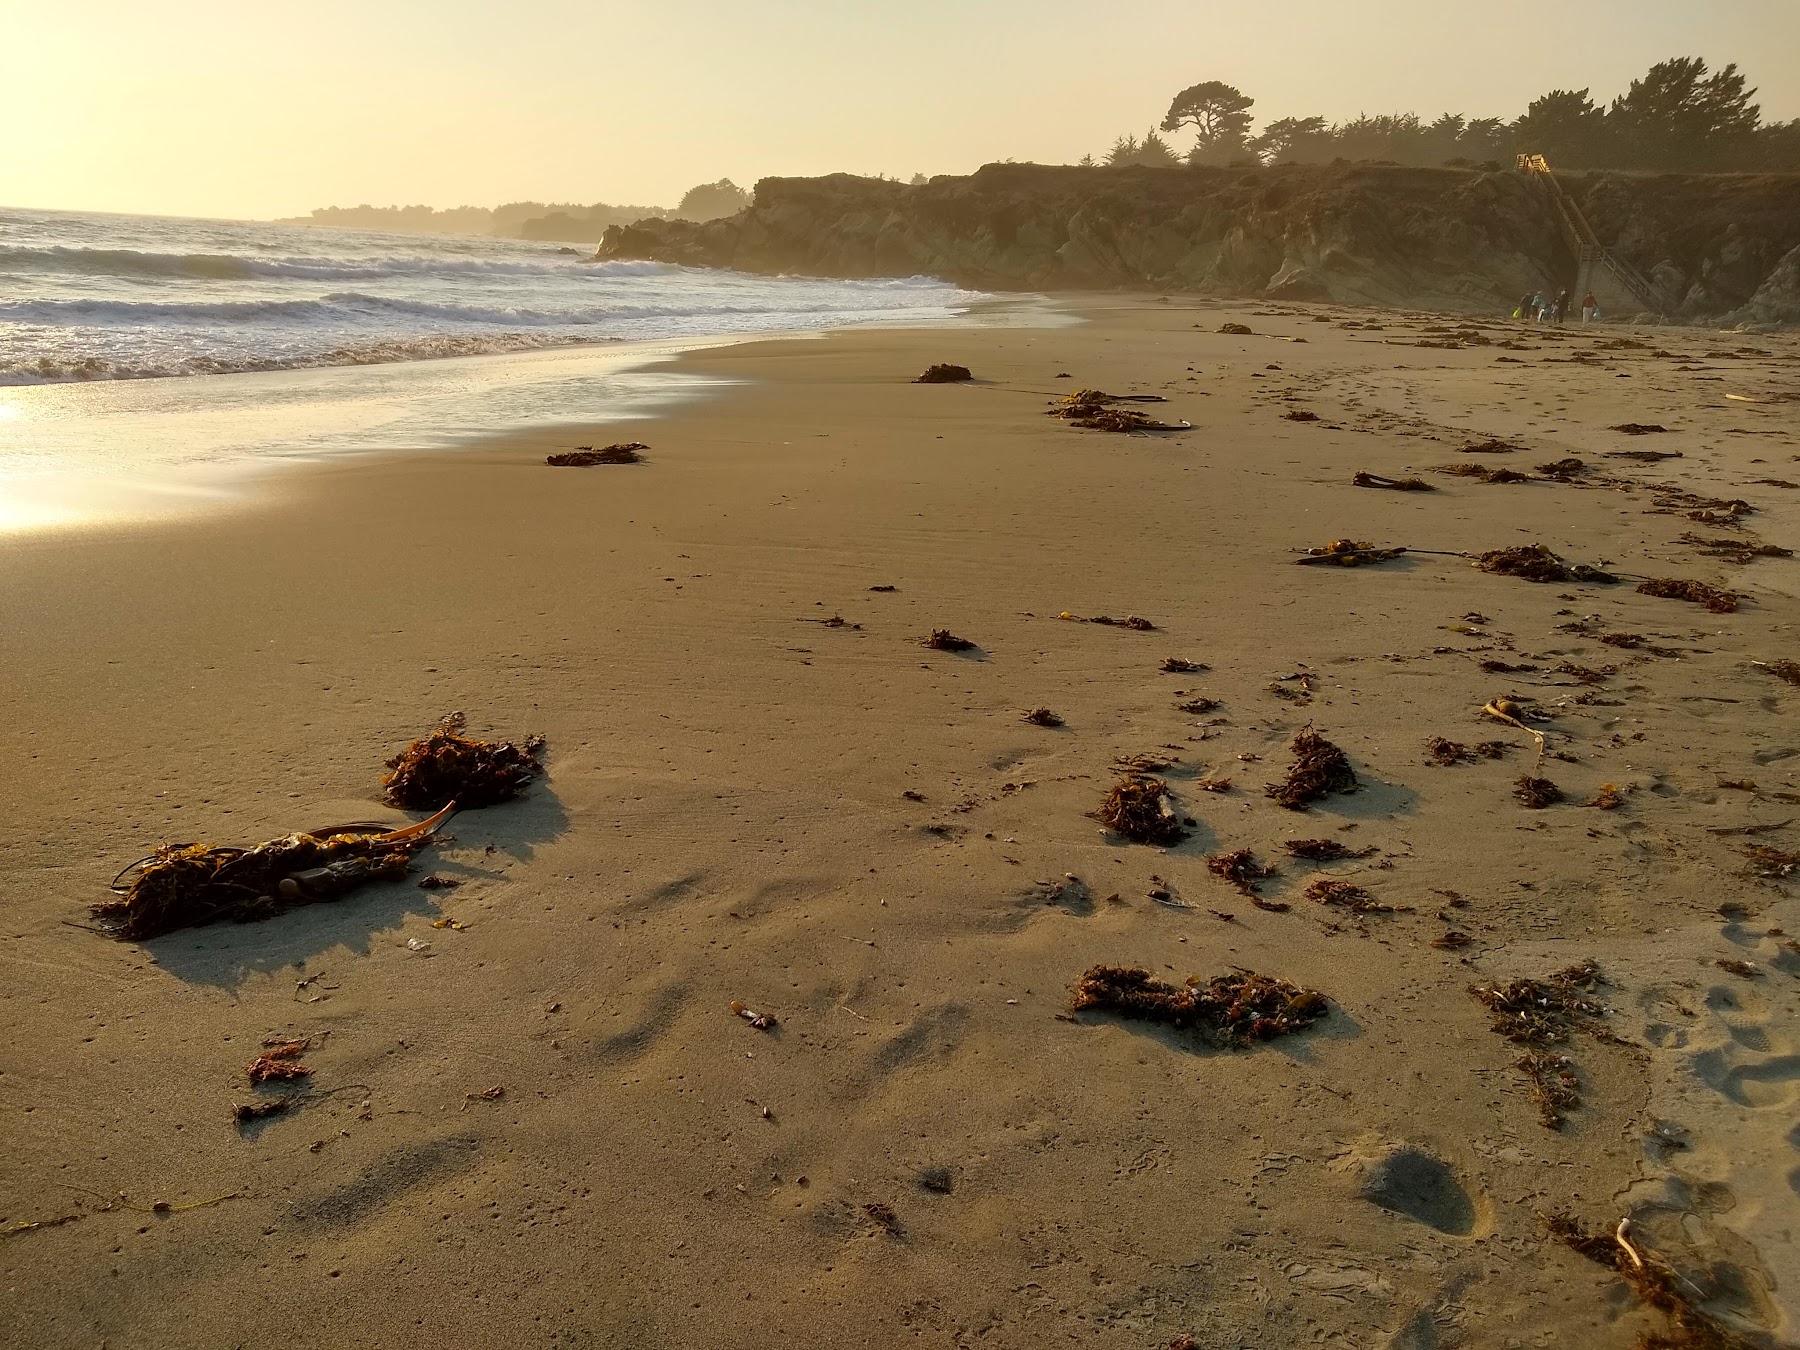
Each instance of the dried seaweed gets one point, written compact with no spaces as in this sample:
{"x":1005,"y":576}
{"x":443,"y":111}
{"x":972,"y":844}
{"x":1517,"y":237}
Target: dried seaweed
{"x":1180,"y":665}
{"x":1132,"y":621}
{"x":1197,"y":706}
{"x":1587,"y":674}
{"x":1319,"y":769}
{"x":1241,"y":868}
{"x":1740,"y":551}
{"x":630,"y":452}
{"x":1712,"y":598}
{"x":1537,"y":793}
{"x":245,"y":1112}
{"x":1237,"y":329}
{"x":191,"y":885}
{"x":1497,"y":667}
{"x":1491,"y":446}
{"x":1212,"y":785}
{"x":1554,"y":1085}
{"x":448,"y":767}
{"x":1564,"y":470}
{"x":944,"y":373}
{"x":1453,"y":940}
{"x":1774,"y":863}
{"x":1534,"y":562}
{"x":1781,"y":670}
{"x":1485,"y":472}
{"x":1324,"y":850}
{"x":1639,"y":428}
{"x":1608,"y":798}
{"x":943,"y":640}
{"x":1348,"y":895}
{"x":1229,"y":1010}
{"x":1655,"y":1283}
{"x":271,"y":1068}
{"x":1348,"y":553}
{"x":1544,"y":1012}
{"x":1301,"y":415}
{"x":1042,"y":717}
{"x":1095,"y":410}
{"x":1376,"y":480}
{"x":1140,"y":809}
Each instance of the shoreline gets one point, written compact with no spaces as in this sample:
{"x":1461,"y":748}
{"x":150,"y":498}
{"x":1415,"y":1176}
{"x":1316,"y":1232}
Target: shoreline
{"x":863,"y":836}
{"x":637,"y":378}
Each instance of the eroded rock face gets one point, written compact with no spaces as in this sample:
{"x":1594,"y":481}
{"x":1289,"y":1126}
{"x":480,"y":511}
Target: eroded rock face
{"x":1777,"y":300}
{"x":1450,"y":239}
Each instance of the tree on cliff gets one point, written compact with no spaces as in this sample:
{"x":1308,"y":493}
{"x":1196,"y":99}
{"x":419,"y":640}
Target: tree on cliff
{"x":1566,"y":127}
{"x":1219,"y":114}
{"x":1302,"y":140}
{"x":1679,"y":117}
{"x":709,"y":201}
{"x":1153,"y":151}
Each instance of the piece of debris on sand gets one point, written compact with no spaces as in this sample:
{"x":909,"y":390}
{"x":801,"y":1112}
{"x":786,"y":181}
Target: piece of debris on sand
{"x":1448,"y":753}
{"x":1639,"y":428}
{"x":246,"y":1112}
{"x":1565,"y":470}
{"x":1739,"y":551}
{"x":1196,"y":707}
{"x":1241,"y":868}
{"x":1324,"y":850}
{"x":1542,"y":1013}
{"x":1042,"y":717}
{"x":1608,"y":798}
{"x":943,"y":640}
{"x":1545,"y":1012}
{"x":944,"y":373}
{"x":1229,"y":1010}
{"x":1212,"y":785}
{"x":1348,"y":895}
{"x":1534,"y":562}
{"x":1096,"y":410}
{"x":1132,"y":621}
{"x":1712,"y":598}
{"x":191,"y":885}
{"x":1537,"y":793}
{"x":1776,"y":864}
{"x":1301,"y":415}
{"x":885,"y":1219}
{"x":1657,"y":1284}
{"x":1781,"y":670}
{"x":1347,"y":553}
{"x":1319,"y":769}
{"x":1377,"y":480}
{"x":447,"y":766}
{"x":1140,"y":809}
{"x":629,"y":452}
{"x":1485,"y":472}
{"x":275,"y":1068}
{"x":1180,"y":665}
{"x":1236,"y":329}
{"x":1491,"y":446}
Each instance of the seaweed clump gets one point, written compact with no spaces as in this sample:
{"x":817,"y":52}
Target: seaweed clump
{"x":1347,"y":553}
{"x":943,"y":640}
{"x":944,"y":373}
{"x":1229,"y":1010}
{"x":1537,"y":793}
{"x":1241,"y":868}
{"x":192,"y":885}
{"x":1348,"y":895}
{"x":1542,"y":1013}
{"x":1043,"y":717}
{"x":583,"y":456}
{"x":1320,"y":768}
{"x":1139,"y":808}
{"x":1323,"y":850}
{"x":448,"y":767}
{"x":1534,"y":562}
{"x":1376,"y":480}
{"x":1654,"y":1283}
{"x":1674,"y":588}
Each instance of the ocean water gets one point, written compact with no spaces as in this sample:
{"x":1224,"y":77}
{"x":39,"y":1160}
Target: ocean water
{"x":105,"y":297}
{"x":152,"y":364}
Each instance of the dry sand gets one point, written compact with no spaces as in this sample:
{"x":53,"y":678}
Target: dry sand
{"x":727,"y":817}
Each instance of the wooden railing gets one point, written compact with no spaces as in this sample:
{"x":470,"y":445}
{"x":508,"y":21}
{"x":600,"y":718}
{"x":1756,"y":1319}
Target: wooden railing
{"x":1582,"y":239}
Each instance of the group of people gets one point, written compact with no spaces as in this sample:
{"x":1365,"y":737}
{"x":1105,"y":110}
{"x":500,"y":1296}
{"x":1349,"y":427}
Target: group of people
{"x":1534,"y":308}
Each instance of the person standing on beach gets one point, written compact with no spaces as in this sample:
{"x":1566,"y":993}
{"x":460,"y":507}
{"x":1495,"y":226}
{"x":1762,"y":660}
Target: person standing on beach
{"x":1589,"y":306}
{"x":1524,"y":309}
{"x":1561,"y":309}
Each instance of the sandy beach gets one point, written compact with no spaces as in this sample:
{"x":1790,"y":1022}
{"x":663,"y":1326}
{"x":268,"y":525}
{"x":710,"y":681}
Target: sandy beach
{"x":544,"y":1126}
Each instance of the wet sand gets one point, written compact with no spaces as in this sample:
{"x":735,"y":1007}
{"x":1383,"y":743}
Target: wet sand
{"x":727,"y":816}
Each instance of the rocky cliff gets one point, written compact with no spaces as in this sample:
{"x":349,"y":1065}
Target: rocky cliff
{"x":1353,"y":233}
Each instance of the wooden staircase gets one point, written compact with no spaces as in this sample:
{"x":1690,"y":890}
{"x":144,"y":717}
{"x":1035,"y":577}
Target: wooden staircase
{"x":1597,"y":263}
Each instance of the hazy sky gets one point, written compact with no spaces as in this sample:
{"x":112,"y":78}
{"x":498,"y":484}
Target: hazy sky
{"x":200,"y":107}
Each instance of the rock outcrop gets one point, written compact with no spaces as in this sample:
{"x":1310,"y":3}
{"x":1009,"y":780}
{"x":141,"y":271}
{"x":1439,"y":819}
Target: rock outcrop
{"x":1448,"y":239}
